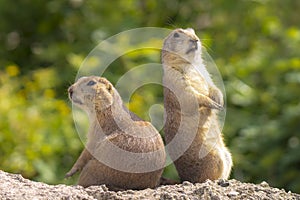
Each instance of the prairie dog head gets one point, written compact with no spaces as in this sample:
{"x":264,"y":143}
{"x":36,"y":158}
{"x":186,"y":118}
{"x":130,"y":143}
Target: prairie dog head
{"x":92,"y":93}
{"x":184,"y":44}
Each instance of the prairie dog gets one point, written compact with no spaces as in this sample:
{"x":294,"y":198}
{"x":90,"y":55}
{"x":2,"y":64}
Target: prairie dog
{"x":122,"y":151}
{"x":191,"y":102}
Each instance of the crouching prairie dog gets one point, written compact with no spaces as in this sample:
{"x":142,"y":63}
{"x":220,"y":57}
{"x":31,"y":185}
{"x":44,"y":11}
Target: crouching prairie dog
{"x":191,"y":100}
{"x":122,"y":151}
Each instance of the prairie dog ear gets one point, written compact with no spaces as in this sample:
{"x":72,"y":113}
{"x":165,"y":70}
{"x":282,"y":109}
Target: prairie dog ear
{"x":190,"y":30}
{"x":104,"y":98}
{"x":107,"y":84}
{"x":109,"y":87}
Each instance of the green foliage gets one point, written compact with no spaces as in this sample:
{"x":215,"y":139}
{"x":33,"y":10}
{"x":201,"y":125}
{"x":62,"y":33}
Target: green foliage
{"x":37,"y":133}
{"x":255,"y":44}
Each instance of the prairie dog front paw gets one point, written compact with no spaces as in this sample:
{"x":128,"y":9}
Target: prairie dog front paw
{"x":216,"y":95}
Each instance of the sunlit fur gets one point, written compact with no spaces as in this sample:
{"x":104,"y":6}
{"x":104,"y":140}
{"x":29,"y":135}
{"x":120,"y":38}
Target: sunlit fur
{"x":191,"y":102}
{"x":114,"y":135}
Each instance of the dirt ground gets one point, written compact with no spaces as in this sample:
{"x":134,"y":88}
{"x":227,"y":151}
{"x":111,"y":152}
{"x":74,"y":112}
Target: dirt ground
{"x":13,"y":186}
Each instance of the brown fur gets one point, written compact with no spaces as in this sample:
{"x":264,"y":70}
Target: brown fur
{"x":114,"y":133}
{"x":191,"y":102}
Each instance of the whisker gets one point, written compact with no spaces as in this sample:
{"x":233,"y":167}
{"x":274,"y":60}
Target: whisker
{"x":206,"y":46}
{"x":170,"y":22}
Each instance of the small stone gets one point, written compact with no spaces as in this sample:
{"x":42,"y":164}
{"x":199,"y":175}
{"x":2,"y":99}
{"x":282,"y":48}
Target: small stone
{"x":264,"y":184}
{"x":223,"y":183}
{"x":129,"y":191}
{"x":233,"y":193}
{"x":199,"y":191}
{"x":214,"y":197}
{"x":186,"y":183}
{"x":165,"y":196}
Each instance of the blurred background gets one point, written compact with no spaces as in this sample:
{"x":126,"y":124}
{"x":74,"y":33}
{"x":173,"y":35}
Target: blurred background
{"x":255,"y":44}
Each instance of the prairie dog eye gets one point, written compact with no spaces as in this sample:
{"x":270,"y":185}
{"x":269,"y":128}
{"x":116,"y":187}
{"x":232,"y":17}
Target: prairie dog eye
{"x":90,"y":83}
{"x":176,"y":35}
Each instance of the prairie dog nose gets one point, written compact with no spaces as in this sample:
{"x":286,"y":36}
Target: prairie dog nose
{"x":70,"y":90}
{"x":194,"y":43}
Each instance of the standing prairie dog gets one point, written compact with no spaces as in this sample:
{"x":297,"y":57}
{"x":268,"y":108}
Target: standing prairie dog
{"x":191,"y":99}
{"x":122,"y":151}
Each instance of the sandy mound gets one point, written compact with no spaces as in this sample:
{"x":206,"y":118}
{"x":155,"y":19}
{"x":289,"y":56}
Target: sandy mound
{"x":13,"y":186}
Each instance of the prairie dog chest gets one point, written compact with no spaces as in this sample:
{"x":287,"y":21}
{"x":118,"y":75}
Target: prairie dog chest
{"x":196,"y":81}
{"x":186,"y":81}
